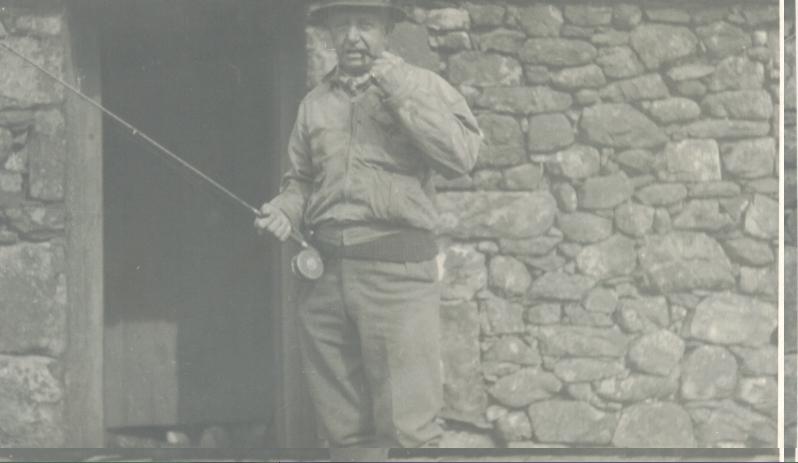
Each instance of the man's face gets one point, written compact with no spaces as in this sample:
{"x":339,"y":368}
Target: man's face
{"x":359,"y":37}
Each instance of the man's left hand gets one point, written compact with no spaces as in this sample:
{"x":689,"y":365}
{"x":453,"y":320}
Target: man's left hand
{"x":386,"y":72}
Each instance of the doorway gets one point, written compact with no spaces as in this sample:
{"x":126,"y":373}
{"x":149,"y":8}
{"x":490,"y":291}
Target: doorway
{"x":191,"y":292}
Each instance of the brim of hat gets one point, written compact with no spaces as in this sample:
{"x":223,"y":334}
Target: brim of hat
{"x":317,"y":13}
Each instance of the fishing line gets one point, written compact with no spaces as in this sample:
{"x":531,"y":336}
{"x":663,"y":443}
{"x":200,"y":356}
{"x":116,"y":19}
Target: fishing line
{"x":136,"y":132}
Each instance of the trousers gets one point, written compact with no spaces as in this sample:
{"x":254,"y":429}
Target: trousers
{"x":370,"y":342}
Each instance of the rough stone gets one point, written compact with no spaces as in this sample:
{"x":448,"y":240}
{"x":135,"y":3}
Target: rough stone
{"x":610,"y":38}
{"x":703,"y":214}
{"x":654,"y":425}
{"x":524,"y":100}
{"x":576,"y":162}
{"x":514,"y":426}
{"x":739,"y":104}
{"x":575,"y":314}
{"x":726,"y":421}
{"x":544,"y":314}
{"x":39,"y":25}
{"x":31,"y":412}
{"x":549,"y":132}
{"x":561,"y":286}
{"x":540,"y":20}
{"x":601,"y":300}
{"x":588,"y":15}
{"x":668,"y":15}
{"x":644,"y":314}
{"x":636,"y":161}
{"x":524,"y":387}
{"x":33,"y":306}
{"x":509,"y":276}
{"x":723,"y":128}
{"x":466,"y":440}
{"x":464,"y":272}
{"x":503,"y":142}
{"x":638,"y":387}
{"x":488,"y":179}
{"x":464,"y":394}
{"x":512,"y":350}
{"x":588,"y":76}
{"x":691,"y":88}
{"x":35,"y":221}
{"x":584,"y":227}
{"x":619,"y":62}
{"x":547,"y":263}
{"x":536,"y":75}
{"x":456,"y":41}
{"x":674,"y":110}
{"x":749,"y":158}
{"x":748,"y":251}
{"x":486,"y":14}
{"x":571,"y":422}
{"x":577,"y":370}
{"x":557,"y":52}
{"x":411,"y":42}
{"x":581,"y":341}
{"x":484,"y":69}
{"x":684,"y":261}
{"x":713,"y":190}
{"x":690,"y":71}
{"x":762,"y":282}
{"x":626,"y":16}
{"x":502,"y":41}
{"x":620,"y":126}
{"x":46,"y":150}
{"x":646,"y":87}
{"x":733,"y":319}
{"x":722,"y":39}
{"x":496,"y":215}
{"x":23,"y":86}
{"x":762,"y":218}
{"x":634,"y":219}
{"x":737,"y":73}
{"x":770,"y":186}
{"x":761,"y":393}
{"x":539,"y":246}
{"x":755,"y":361}
{"x":613,"y":257}
{"x":605,"y":192}
{"x":709,"y":372}
{"x":692,"y":161}
{"x":657,"y":353}
{"x":500,"y":316}
{"x":526,"y":177}
{"x":448,"y":19}
{"x":658,"y":44}
{"x":566,"y":197}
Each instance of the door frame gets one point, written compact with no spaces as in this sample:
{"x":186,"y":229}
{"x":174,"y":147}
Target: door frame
{"x":83,"y":360}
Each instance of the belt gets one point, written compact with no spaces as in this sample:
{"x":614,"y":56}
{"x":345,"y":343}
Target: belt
{"x":404,"y":246}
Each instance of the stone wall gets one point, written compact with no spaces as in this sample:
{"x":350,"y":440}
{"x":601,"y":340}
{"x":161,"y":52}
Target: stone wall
{"x":611,"y":264}
{"x":32,"y":279}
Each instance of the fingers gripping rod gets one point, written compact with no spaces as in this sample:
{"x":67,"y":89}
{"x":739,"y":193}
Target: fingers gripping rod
{"x":136,"y":132}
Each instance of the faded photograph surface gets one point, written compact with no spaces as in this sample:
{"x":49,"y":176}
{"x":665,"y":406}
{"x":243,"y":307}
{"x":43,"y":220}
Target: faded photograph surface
{"x":413,"y":225}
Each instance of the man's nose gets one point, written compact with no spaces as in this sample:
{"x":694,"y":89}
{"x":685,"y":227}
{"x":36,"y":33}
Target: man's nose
{"x":353,"y":34}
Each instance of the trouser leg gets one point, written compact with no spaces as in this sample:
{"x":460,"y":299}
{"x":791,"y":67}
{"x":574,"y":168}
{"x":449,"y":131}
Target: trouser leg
{"x":331,"y":362}
{"x":396,"y":307}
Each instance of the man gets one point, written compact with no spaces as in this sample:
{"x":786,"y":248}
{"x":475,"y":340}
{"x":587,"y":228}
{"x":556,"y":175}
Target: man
{"x":363,"y":151}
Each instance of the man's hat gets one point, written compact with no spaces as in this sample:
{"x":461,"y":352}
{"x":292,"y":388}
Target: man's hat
{"x":318,"y":10}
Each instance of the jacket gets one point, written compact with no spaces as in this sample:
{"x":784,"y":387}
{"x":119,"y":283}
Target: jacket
{"x":366,"y":162}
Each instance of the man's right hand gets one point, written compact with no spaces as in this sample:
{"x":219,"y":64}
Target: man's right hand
{"x":274,"y":221}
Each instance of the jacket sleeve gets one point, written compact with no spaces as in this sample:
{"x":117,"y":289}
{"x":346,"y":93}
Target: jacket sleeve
{"x":297,"y":182}
{"x":438,"y":119}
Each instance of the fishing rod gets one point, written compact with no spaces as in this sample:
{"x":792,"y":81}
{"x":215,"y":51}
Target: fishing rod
{"x":307,"y":263}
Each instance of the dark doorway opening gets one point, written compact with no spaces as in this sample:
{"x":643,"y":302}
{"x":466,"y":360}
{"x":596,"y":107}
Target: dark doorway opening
{"x":191,"y":292}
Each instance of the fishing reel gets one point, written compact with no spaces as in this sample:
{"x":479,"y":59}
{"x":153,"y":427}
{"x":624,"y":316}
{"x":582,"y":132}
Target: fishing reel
{"x":307,"y":264}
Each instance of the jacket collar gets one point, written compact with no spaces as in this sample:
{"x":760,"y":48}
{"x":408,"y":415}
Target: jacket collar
{"x":351,"y":84}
